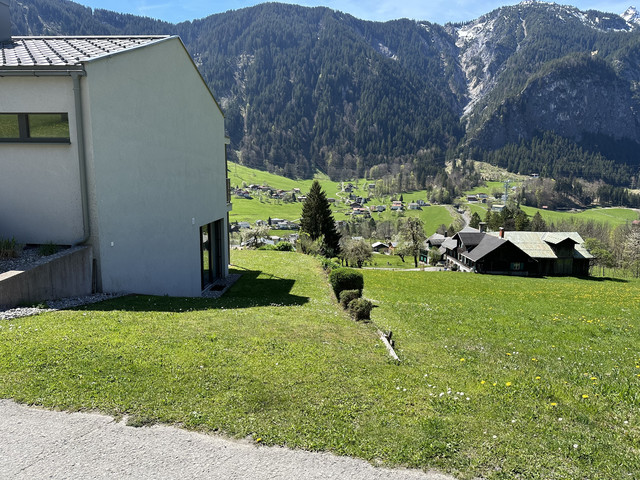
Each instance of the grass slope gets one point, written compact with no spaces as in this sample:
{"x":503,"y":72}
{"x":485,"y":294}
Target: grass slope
{"x":501,"y":377}
{"x":261,"y":207}
{"x":611,"y":216}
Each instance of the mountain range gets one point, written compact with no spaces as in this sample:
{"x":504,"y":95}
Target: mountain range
{"x":535,"y":87}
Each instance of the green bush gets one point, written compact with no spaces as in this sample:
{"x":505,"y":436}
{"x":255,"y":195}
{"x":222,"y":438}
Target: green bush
{"x":360,"y":309}
{"x":347,"y":295}
{"x":267,"y":247}
{"x":284,"y":247}
{"x":345,"y":279}
{"x":327,"y":264}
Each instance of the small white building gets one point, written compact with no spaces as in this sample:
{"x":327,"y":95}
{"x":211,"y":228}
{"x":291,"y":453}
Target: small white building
{"x":116,"y":143}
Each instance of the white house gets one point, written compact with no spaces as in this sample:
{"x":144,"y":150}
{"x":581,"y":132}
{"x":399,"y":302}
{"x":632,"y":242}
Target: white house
{"x":116,"y":143}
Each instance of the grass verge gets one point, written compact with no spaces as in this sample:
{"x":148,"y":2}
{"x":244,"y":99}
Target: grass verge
{"x":500,"y":377}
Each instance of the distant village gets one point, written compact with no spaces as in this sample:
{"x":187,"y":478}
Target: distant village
{"x":469,"y":250}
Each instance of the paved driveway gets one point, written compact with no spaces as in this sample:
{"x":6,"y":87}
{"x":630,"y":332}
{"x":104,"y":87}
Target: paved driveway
{"x":37,"y":444}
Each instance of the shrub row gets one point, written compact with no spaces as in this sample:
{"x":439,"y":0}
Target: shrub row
{"x":347,"y":284}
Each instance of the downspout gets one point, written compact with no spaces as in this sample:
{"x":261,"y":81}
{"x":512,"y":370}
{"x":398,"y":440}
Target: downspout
{"x":82,"y":157}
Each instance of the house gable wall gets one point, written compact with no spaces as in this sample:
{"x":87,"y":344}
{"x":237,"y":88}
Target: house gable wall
{"x":40,"y":198}
{"x":155,"y":151}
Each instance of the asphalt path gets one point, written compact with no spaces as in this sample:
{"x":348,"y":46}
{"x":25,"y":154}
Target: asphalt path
{"x":37,"y":444}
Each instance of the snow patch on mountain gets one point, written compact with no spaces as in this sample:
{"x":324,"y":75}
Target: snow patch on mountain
{"x":631,"y":15}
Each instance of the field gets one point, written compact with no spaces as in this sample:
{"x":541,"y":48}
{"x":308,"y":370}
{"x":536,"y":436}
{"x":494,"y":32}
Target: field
{"x":499,"y":377}
{"x":611,"y":216}
{"x":261,"y":207}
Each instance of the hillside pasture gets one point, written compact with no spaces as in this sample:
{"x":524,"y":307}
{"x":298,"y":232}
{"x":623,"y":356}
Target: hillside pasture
{"x":610,"y":216}
{"x":499,"y":377}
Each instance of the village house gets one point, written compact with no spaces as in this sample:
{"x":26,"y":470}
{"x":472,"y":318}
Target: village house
{"x":380,"y":247}
{"x":115,"y":143}
{"x":519,"y":253}
{"x":397,"y":206}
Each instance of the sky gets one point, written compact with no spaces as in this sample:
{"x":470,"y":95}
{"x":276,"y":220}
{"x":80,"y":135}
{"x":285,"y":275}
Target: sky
{"x":435,"y":11}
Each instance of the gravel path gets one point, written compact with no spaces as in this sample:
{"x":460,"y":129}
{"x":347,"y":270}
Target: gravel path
{"x":38,"y":444}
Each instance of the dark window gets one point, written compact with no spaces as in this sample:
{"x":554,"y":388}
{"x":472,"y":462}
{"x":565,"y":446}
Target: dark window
{"x":34,"y":127}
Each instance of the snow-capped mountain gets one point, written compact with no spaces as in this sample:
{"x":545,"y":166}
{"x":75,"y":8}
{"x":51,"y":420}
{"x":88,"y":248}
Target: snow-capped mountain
{"x":631,"y":15}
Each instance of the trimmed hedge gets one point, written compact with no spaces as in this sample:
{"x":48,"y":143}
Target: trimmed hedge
{"x":347,"y":295}
{"x":345,"y":279}
{"x":360,"y":309}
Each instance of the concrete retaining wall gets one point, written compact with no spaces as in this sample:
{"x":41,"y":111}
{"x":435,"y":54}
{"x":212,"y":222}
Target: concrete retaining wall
{"x":68,"y":275}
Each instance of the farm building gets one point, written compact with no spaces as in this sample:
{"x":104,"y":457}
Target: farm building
{"x":520,"y":253}
{"x":114,"y":143}
{"x":380,"y":247}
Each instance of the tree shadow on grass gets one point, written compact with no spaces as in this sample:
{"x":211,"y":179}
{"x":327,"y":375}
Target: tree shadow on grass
{"x":254,"y":289}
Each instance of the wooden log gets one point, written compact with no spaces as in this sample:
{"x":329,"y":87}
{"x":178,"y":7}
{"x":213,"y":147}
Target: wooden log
{"x":385,"y":339}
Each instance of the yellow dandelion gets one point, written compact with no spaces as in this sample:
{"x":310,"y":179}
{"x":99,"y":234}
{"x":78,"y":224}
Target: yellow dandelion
{"x":495,"y":383}
{"x":537,"y":378}
{"x":508,"y":354}
{"x":585,"y":395}
{"x":482,"y":382}
{"x":593,"y":378}
{"x":553,"y":404}
{"x":462,"y":359}
{"x":534,"y":359}
{"x":508,"y":384}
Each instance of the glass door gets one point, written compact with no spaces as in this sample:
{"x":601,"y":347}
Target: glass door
{"x":205,"y":256}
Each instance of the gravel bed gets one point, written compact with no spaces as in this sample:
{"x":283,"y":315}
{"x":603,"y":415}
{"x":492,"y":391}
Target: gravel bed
{"x":30,"y":257}
{"x":60,"y":304}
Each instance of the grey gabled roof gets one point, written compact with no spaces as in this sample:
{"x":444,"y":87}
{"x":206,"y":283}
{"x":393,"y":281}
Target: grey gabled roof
{"x":436,"y":239}
{"x":449,"y":243}
{"x":64,"y":52}
{"x":487,"y":245}
{"x":538,"y":244}
{"x":470,"y":237}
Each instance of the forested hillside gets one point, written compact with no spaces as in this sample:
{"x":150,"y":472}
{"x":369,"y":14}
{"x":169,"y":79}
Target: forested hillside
{"x":536,"y":87}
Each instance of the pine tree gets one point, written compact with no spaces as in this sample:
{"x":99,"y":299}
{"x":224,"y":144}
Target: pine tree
{"x":317,"y":220}
{"x":475,"y":220}
{"x":537,"y":223}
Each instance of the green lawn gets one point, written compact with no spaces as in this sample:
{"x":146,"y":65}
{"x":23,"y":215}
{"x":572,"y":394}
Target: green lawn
{"x":500,"y":377}
{"x":488,"y":188}
{"x":380,"y":260}
{"x":612,"y":216}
